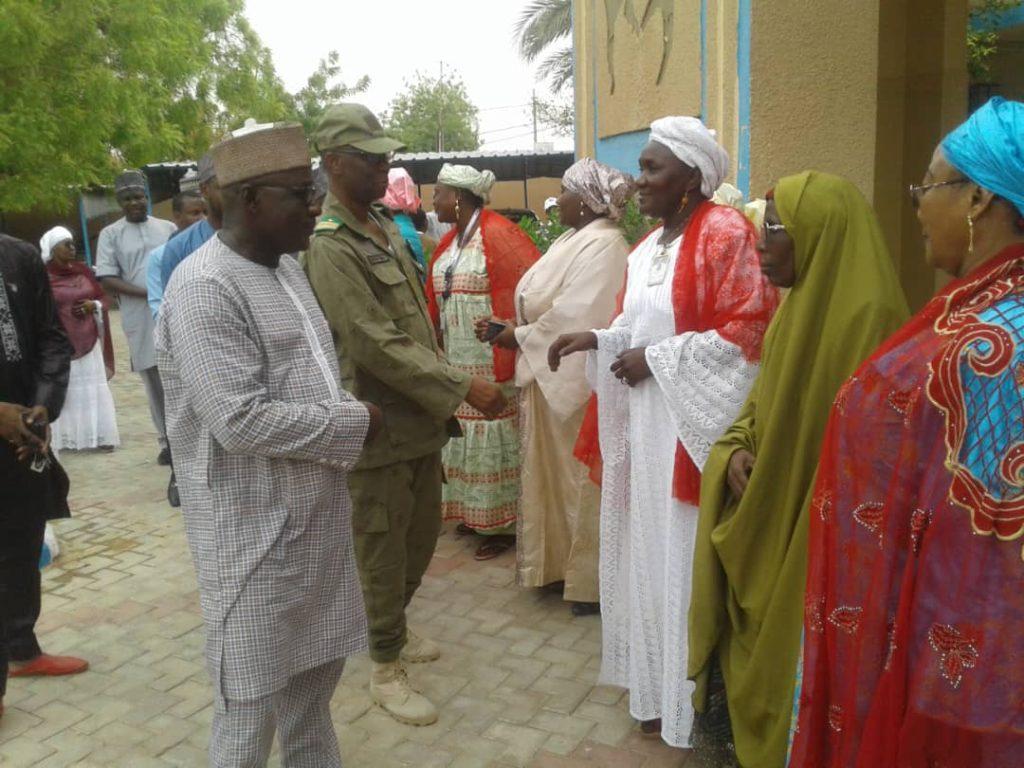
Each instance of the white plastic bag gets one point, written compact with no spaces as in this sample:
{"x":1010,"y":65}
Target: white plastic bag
{"x":51,"y":547}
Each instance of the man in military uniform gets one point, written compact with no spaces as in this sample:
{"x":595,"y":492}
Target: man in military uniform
{"x":365,"y":278}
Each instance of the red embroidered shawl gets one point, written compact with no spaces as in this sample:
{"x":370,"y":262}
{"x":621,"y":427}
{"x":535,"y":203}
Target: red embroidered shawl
{"x":508,"y":253}
{"x":914,"y":613}
{"x":717,"y":286}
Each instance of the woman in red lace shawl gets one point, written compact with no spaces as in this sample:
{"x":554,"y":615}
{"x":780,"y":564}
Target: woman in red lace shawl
{"x":473,"y":274}
{"x":914,"y":612}
{"x":87,"y":419}
{"x":671,"y":374}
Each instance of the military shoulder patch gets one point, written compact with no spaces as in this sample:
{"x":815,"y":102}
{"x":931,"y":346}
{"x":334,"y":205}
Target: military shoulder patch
{"x":327,"y":224}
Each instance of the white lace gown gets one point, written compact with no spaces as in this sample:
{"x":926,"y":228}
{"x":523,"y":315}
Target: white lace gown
{"x":88,"y":419}
{"x":647,"y":537}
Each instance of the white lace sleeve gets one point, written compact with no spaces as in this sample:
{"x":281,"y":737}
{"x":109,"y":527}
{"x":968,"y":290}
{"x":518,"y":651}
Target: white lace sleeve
{"x":610,"y":342}
{"x":615,"y":338}
{"x":705,"y":381}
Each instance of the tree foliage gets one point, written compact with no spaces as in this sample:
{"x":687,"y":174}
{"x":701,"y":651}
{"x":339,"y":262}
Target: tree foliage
{"x":557,"y":114}
{"x":89,"y":87}
{"x":983,"y":37}
{"x":633,"y":223}
{"x":433,"y":114}
{"x":543,"y":24}
{"x":322,"y":89}
{"x":543,"y":233}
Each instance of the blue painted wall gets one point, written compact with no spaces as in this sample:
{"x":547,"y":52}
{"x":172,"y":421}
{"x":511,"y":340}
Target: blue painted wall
{"x":1013,"y":18}
{"x":622,"y":151}
{"x":743,"y":74}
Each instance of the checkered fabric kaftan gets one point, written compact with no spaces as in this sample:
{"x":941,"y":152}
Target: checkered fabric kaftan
{"x":262,"y":436}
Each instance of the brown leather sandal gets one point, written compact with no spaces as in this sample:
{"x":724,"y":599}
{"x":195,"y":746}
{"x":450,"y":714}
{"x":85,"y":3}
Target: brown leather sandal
{"x":494,"y":546}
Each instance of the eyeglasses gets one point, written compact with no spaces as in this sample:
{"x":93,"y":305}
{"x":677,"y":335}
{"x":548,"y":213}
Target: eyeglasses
{"x":917,"y":190}
{"x":373,"y":158}
{"x":306,"y":193}
{"x":771,"y":229}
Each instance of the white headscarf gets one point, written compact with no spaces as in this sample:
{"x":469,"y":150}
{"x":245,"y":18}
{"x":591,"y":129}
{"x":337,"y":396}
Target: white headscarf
{"x":695,"y":145}
{"x":55,"y":236}
{"x":467,"y":177}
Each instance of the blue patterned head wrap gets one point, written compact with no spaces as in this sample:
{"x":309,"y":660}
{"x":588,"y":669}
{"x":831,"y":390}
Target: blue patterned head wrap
{"x":989,"y":149}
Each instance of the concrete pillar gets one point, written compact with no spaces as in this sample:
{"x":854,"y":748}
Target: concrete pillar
{"x":922,"y":94}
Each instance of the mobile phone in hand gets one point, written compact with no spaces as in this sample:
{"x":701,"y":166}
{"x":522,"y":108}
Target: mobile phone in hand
{"x":37,"y":427}
{"x":493,"y":329}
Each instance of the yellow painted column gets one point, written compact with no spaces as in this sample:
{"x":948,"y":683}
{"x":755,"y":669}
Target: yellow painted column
{"x":583,"y":33}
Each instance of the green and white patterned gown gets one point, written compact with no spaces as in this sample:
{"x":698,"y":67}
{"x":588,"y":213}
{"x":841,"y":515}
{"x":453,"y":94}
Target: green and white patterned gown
{"x":482,"y":466}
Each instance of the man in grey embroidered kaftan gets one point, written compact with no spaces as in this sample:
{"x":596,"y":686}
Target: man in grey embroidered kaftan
{"x":122,"y":253}
{"x":263,"y":436}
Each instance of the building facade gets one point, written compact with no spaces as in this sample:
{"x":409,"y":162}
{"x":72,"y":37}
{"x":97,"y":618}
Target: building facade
{"x":863,"y":89}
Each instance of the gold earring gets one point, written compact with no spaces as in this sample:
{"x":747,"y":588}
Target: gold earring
{"x":685,"y":202}
{"x":970,"y":232}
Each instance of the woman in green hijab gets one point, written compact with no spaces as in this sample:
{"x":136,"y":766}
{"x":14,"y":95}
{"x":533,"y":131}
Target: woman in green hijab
{"x":822,"y":239}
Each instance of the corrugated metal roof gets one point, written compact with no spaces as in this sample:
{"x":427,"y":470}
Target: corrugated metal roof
{"x":478,"y":153}
{"x":507,"y":165}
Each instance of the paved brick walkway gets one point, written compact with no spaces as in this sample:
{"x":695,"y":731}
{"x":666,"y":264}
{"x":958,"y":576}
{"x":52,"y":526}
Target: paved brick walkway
{"x":515,"y":684}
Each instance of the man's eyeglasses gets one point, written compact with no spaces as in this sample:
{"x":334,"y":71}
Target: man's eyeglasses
{"x":373,"y":158}
{"x":917,"y":190}
{"x":306,"y":193}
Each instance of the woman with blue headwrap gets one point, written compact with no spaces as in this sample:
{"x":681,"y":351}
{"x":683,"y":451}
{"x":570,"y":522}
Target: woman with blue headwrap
{"x":914,"y":609}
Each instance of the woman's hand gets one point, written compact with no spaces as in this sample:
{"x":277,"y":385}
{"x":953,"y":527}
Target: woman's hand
{"x":83,"y":308}
{"x":631,"y":366}
{"x":480,"y":328}
{"x":569,"y":344}
{"x":506,"y":339}
{"x":741,"y":464}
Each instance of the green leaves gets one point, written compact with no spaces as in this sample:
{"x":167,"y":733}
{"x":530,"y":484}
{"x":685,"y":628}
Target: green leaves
{"x":89,"y":87}
{"x":983,"y":37}
{"x":634,"y":225}
{"x":323,"y":89}
{"x":433,"y":114}
{"x":543,"y":233}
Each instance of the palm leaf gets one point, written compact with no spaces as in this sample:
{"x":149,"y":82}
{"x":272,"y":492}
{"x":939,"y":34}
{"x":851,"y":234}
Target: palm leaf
{"x":541,"y":23}
{"x":557,"y":65}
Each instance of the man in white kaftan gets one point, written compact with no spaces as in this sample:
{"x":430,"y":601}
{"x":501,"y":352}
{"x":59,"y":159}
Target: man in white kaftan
{"x":262,"y":435}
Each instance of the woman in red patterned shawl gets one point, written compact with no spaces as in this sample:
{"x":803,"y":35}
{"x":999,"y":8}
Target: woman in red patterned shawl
{"x":914,"y":612}
{"x":87,"y":419}
{"x":670,"y":374}
{"x":473,"y":274}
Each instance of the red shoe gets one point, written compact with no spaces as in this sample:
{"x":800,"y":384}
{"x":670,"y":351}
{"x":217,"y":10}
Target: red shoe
{"x":45,"y":665}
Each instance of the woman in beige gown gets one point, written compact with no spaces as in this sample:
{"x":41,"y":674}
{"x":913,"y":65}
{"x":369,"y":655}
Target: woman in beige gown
{"x":573,"y":285}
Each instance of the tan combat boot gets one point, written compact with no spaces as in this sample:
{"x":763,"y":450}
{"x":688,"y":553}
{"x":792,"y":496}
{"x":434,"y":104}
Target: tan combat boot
{"x":389,"y":687}
{"x":419,"y":649}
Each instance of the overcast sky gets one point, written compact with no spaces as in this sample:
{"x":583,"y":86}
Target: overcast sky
{"x":390,"y":39}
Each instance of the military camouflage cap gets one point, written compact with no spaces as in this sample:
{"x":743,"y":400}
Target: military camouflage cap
{"x":353,"y":125}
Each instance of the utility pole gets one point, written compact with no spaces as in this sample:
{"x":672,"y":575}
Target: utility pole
{"x":440,"y":108}
{"x":534,"y":102}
